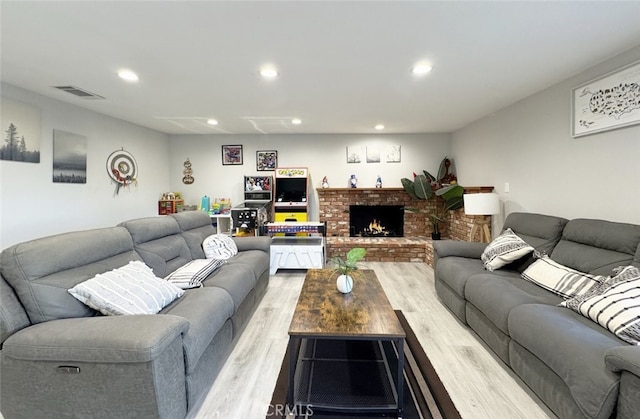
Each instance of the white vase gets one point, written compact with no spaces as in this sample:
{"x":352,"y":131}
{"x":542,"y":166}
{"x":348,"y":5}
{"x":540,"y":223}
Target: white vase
{"x":344,"y":284}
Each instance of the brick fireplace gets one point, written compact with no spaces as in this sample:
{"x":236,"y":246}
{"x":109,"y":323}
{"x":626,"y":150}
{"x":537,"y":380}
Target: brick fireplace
{"x":415,"y":246}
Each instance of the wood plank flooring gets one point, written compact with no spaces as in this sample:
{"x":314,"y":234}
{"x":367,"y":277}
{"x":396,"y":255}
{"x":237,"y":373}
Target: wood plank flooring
{"x":476,"y":380}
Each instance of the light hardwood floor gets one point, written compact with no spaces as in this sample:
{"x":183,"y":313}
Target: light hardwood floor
{"x":476,"y":380}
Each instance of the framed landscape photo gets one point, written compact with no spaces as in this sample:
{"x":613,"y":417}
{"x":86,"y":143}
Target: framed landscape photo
{"x":266,"y":160}
{"x":231,"y":155}
{"x":608,"y":102}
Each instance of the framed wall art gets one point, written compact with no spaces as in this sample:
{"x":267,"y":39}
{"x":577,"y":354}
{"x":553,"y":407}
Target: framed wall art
{"x":20,"y":131}
{"x":69,"y":157}
{"x":608,"y":102}
{"x":354,"y":154}
{"x":231,"y":155}
{"x":266,"y":160}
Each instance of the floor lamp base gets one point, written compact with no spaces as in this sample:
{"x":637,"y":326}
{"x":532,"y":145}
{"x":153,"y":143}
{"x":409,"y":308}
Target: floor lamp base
{"x":481,"y":226}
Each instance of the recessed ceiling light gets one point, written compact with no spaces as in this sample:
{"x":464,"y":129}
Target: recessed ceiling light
{"x":269,"y":72}
{"x":379,"y":127}
{"x":421,"y":69}
{"x":212,"y":122}
{"x":296,"y":121}
{"x":127,"y":75}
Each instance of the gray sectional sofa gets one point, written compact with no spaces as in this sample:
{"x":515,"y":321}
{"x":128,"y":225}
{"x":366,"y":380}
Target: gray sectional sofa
{"x":577,"y":368}
{"x":60,"y":358}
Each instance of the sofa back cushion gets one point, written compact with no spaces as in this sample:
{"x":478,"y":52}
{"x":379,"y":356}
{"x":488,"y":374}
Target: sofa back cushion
{"x":42,"y":270}
{"x":597,"y":246}
{"x":12,"y":314}
{"x":195,"y":226}
{"x":159,"y":243}
{"x":541,"y":231}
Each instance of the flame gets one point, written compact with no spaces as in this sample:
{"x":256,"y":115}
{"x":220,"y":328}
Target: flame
{"x":375,"y":226}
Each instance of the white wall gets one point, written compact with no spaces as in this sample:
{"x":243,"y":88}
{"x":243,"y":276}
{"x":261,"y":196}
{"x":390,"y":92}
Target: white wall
{"x":32,"y":206}
{"x":324,"y":155}
{"x":529,"y":145}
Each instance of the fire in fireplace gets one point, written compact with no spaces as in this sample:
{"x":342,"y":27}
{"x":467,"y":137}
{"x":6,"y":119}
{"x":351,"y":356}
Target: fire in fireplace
{"x":376,"y":220}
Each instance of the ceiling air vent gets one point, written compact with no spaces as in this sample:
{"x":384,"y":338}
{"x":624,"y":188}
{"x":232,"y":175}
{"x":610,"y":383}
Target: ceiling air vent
{"x":76,"y":91}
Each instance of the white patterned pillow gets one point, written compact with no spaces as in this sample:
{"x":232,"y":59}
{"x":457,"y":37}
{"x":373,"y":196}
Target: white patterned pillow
{"x":219,"y":246}
{"x":193,"y":273}
{"x":504,"y":249}
{"x":560,"y":279}
{"x":614,"y":304}
{"x":130,"y":289}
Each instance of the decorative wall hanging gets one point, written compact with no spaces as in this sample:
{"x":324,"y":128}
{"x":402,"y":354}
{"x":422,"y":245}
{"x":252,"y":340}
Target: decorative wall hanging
{"x":187,"y":179}
{"x":69,"y":157}
{"x":266,"y":160}
{"x":21,"y":132}
{"x":122,"y":169}
{"x":393,"y":154}
{"x":373,"y":154}
{"x":231,"y":155}
{"x":608,"y":102}
{"x":354,"y":154}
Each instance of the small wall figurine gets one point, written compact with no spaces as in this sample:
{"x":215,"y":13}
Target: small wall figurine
{"x":325,"y":182}
{"x":379,"y":182}
{"x":353,"y":181}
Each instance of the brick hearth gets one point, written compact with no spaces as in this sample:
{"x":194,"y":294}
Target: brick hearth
{"x":415,"y":246}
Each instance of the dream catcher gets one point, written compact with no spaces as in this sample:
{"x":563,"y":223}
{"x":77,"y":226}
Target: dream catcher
{"x":122,"y":169}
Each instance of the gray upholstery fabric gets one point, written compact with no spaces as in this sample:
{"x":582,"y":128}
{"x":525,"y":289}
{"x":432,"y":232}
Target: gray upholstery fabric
{"x":629,"y":397}
{"x":42,"y":270}
{"x":12,"y":314}
{"x":597,"y":246}
{"x":159,"y":243}
{"x":195,"y":226}
{"x":207,"y":310}
{"x":256,"y":260}
{"x":541,"y":231}
{"x":577,"y":354}
{"x":624,"y":358}
{"x":238,"y":280}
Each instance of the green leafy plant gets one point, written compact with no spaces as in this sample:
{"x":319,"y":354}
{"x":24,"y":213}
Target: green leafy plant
{"x":349,"y":264}
{"x":425,"y":185}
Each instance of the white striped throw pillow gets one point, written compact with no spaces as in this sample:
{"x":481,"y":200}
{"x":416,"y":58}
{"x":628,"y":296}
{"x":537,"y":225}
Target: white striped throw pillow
{"x":504,"y":249}
{"x":614,"y":304}
{"x":559,"y":279}
{"x":193,"y":273}
{"x":130,"y":289}
{"x":219,"y":246}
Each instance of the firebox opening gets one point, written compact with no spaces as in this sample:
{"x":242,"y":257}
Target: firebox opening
{"x":376,"y":220}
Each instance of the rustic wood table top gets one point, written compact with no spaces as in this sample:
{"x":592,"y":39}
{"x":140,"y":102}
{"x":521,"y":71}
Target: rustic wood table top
{"x":323,"y":312}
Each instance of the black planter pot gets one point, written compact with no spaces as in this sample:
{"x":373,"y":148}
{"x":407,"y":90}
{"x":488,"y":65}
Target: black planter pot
{"x":435,"y":236}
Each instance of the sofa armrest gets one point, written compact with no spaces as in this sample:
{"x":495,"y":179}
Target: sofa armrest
{"x":624,"y":358}
{"x":253,"y":243}
{"x":443,"y":248}
{"x":114,"y":339}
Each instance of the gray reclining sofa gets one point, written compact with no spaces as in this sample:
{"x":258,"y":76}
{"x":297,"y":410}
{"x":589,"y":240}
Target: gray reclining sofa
{"x":577,"y":368}
{"x":60,"y":358}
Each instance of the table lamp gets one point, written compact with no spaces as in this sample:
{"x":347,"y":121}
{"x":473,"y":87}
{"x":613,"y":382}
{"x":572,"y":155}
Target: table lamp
{"x":481,"y":204}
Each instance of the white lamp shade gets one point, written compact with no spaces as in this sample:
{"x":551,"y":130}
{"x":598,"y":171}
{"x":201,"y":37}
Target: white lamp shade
{"x":481,"y":204}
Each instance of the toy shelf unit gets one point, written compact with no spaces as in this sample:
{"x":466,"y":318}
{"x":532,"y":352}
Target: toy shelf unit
{"x":222,"y":223}
{"x":169,"y":206}
{"x":290,"y":192}
{"x":296,"y":245}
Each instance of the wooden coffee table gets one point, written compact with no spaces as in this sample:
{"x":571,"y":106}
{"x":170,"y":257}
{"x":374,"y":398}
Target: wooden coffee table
{"x":337,"y":339}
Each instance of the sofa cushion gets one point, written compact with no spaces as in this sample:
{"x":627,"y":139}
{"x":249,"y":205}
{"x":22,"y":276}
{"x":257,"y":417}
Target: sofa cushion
{"x":559,"y":279}
{"x":41,"y":271}
{"x":195,"y":226}
{"x":193,"y":273}
{"x":12,"y":314}
{"x":504,"y":249}
{"x":597,"y":246}
{"x":219,"y":246}
{"x":159,"y":243}
{"x":615,"y":304}
{"x":130,"y":289}
{"x":207,"y":310}
{"x":237,"y":279}
{"x":482,"y":290}
{"x":574,"y":348}
{"x":256,"y":260}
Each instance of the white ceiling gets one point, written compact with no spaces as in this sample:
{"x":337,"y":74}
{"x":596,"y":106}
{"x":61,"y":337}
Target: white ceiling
{"x":344,"y":66}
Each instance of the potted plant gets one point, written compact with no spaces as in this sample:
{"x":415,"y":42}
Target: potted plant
{"x":424,"y":186}
{"x":346,"y":266}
